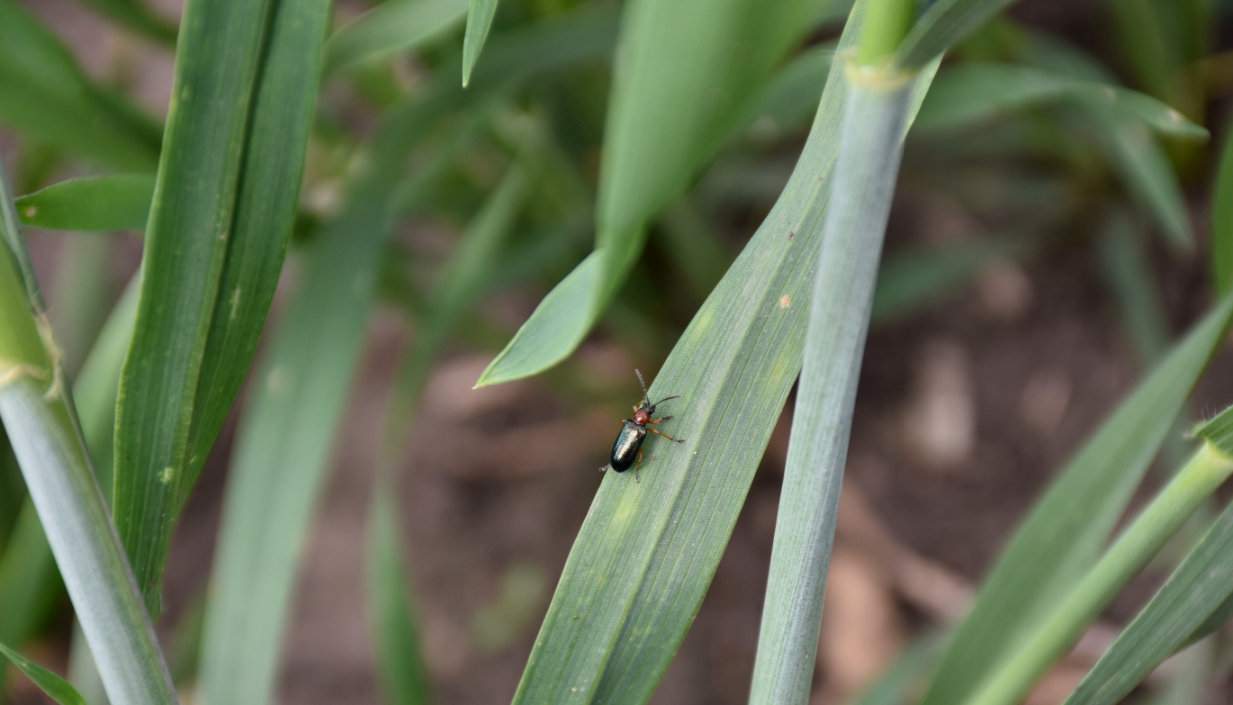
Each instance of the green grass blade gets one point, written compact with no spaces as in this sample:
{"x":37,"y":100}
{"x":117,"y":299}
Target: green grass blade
{"x":479,"y":21}
{"x":391,"y":28}
{"x":1147,"y":173}
{"x":281,"y":455}
{"x":1193,"y":594}
{"x":871,"y":139}
{"x":648,"y":549}
{"x":972,"y":92}
{"x":1222,"y":217}
{"x":39,"y":418}
{"x":942,"y":25}
{"x":400,"y":662}
{"x":1066,"y":529}
{"x":45,"y":94}
{"x":114,"y":202}
{"x":274,"y":484}
{"x":662,"y":128}
{"x":1047,"y":641}
{"x":137,"y":16}
{"x":54,"y":686}
{"x":225,"y":200}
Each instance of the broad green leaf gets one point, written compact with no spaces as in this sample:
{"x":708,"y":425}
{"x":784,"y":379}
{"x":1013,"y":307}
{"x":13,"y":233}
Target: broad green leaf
{"x":875,"y":117}
{"x":224,"y":204}
{"x":479,"y":22}
{"x":943,"y":24}
{"x":972,"y":92}
{"x":1222,"y":217}
{"x":1065,"y":531}
{"x":400,"y":662}
{"x":663,"y":126}
{"x":54,"y":686}
{"x":390,"y":28}
{"x":41,"y":423}
{"x":45,"y":94}
{"x":115,"y":202}
{"x":649,"y":547}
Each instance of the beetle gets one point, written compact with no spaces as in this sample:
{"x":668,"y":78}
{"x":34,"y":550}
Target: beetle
{"x":627,"y":448}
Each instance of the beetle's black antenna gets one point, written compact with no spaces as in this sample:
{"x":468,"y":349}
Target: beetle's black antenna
{"x":646,"y":398}
{"x":661,"y":401}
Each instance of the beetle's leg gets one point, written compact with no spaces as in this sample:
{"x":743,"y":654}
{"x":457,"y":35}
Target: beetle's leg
{"x":661,"y":433}
{"x":603,"y":468}
{"x":660,"y":420}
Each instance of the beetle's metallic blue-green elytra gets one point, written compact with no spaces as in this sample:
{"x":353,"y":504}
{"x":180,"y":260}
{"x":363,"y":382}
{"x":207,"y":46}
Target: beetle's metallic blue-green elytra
{"x":627,"y":448}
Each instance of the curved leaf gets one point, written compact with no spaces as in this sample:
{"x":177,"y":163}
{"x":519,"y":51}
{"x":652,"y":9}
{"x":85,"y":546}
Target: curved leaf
{"x":479,"y":22}
{"x":114,"y":202}
{"x":649,"y":547}
{"x":662,"y":128}
{"x":391,"y":28}
{"x":971,"y":92}
{"x":54,"y":686}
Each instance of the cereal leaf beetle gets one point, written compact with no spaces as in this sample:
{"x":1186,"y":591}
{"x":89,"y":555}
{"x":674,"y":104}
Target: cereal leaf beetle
{"x":627,"y":448}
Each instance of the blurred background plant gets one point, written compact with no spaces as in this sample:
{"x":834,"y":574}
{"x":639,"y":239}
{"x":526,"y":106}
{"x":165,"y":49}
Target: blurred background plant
{"x":369,"y":528}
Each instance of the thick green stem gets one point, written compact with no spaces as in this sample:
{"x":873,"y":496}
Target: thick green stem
{"x":1196,"y":480}
{"x":886,"y":24}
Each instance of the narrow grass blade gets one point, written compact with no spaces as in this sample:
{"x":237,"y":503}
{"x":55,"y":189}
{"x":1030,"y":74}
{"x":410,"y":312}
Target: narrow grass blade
{"x":1147,"y":173}
{"x":281,"y":454}
{"x":139,"y":17}
{"x":39,"y":418}
{"x":45,"y":94}
{"x":942,"y":25}
{"x":1222,"y":217}
{"x":871,"y":139}
{"x":1192,"y":595}
{"x":115,"y":202}
{"x":662,"y":128}
{"x":28,"y":580}
{"x":479,"y":21}
{"x":54,"y":686}
{"x":285,"y":434}
{"x":1066,"y":529}
{"x":1046,"y":642}
{"x":972,"y":92}
{"x":224,"y":203}
{"x":648,"y":548}
{"x":391,"y":28}
{"x":400,"y":662}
